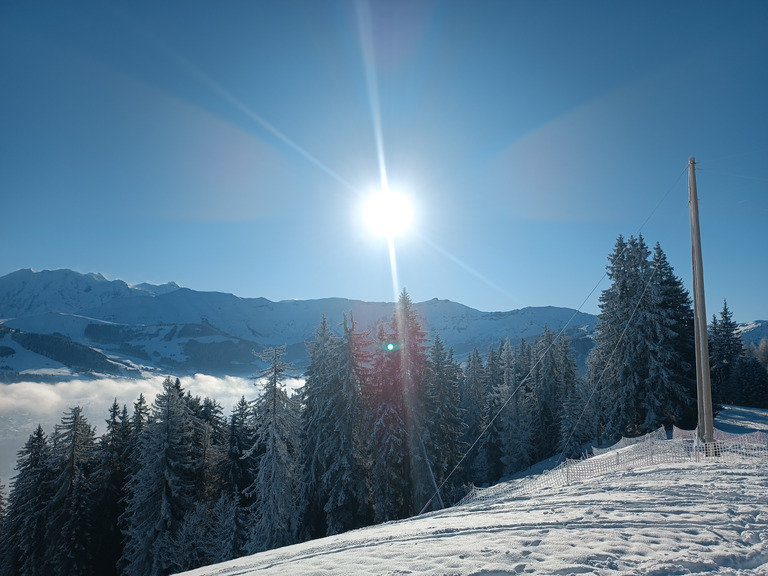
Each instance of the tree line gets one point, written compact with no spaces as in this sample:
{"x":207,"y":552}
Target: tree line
{"x":386,"y":425}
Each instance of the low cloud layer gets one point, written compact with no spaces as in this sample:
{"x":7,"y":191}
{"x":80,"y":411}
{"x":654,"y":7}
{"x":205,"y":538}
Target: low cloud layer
{"x":24,"y":405}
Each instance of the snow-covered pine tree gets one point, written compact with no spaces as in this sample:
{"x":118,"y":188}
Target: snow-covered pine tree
{"x":315,"y":399}
{"x":725,"y":350}
{"x":444,"y":423}
{"x":515,"y":419}
{"x":196,"y":539}
{"x":472,"y":394}
{"x":223,"y":540}
{"x":523,"y":362}
{"x":671,"y":386}
{"x":141,"y":416}
{"x":577,"y":424}
{"x":210,"y":443}
{"x":749,"y":380}
{"x":410,"y":355}
{"x":237,"y":466}
{"x":111,"y":476}
{"x":3,"y":513}
{"x":620,"y":338}
{"x":637,"y":358}
{"x":548,"y":391}
{"x":761,"y":352}
{"x":491,"y":444}
{"x":192,"y":540}
{"x":160,"y":492}
{"x":3,"y":509}
{"x":69,"y":520}
{"x":237,"y":471}
{"x":276,"y":489}
{"x":22,"y":541}
{"x":616,"y":307}
{"x":139,"y":422}
{"x":389,"y":442}
{"x":345,"y":474}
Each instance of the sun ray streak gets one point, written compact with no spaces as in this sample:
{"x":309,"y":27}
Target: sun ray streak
{"x":466,"y":267}
{"x":226,"y":95}
{"x":218,"y":89}
{"x":369,"y":64}
{"x":393,"y":268}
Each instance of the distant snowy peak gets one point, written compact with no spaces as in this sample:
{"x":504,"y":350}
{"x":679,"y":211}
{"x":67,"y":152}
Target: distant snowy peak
{"x":155,"y":289}
{"x":30,"y":292}
{"x":753,"y":331}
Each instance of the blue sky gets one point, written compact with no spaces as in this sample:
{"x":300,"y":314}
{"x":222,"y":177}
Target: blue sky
{"x":228,"y":146}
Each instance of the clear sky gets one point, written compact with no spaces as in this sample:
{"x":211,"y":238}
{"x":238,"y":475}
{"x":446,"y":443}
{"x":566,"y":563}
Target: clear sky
{"x":228,"y":146}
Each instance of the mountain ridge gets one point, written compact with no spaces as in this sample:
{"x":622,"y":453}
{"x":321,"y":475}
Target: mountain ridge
{"x":168,"y":328}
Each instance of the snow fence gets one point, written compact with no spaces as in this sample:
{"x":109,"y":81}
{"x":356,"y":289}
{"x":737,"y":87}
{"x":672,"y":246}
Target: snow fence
{"x":653,"y":448}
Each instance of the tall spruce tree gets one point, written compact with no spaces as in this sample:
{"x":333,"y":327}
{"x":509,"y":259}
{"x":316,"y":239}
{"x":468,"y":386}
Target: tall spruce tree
{"x":69,"y":521}
{"x":492,"y":442}
{"x":161,"y":490}
{"x":749,"y":380}
{"x":400,"y":474}
{"x":3,"y":514}
{"x":3,"y":510}
{"x":335,"y":460}
{"x":210,"y":448}
{"x":345,"y":477}
{"x":548,"y":389}
{"x":516,"y":417}
{"x":236,"y":474}
{"x":275,"y":512}
{"x":389,"y":441}
{"x":225,"y":530}
{"x":638,"y":359}
{"x":315,"y":396}
{"x":473,"y":399}
{"x":672,"y":378}
{"x":113,"y":468}
{"x":410,"y":357}
{"x":444,"y":425}
{"x":578,"y":425}
{"x":22,"y":543}
{"x":725,"y":350}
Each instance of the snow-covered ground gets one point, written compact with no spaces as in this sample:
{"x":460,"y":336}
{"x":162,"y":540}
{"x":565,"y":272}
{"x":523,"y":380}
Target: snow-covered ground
{"x":707,"y":517}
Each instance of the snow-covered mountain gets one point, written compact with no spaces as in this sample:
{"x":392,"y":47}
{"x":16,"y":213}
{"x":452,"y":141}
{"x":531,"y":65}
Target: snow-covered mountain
{"x":31,"y":293}
{"x":753,"y":331}
{"x":62,"y":323}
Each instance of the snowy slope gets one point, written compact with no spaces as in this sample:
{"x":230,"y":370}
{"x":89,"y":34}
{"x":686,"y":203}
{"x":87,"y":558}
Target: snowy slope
{"x":708,"y":517}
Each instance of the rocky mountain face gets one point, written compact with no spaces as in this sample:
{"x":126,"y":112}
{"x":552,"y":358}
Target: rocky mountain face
{"x":59,"y":324}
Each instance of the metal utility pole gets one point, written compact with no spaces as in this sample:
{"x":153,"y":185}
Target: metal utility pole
{"x":703,"y":385}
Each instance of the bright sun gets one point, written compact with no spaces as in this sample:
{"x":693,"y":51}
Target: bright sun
{"x":388,"y":213}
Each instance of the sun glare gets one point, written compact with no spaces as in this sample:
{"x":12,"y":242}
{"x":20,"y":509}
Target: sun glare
{"x":388,"y":213}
